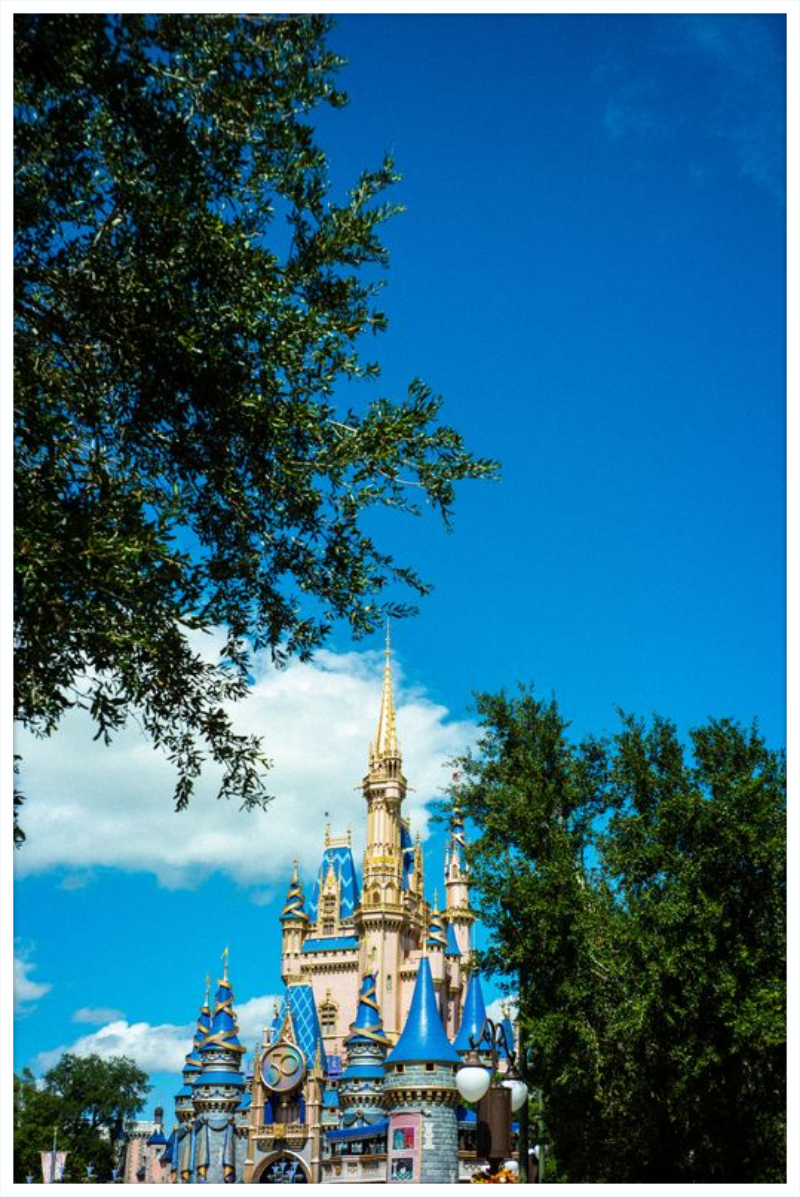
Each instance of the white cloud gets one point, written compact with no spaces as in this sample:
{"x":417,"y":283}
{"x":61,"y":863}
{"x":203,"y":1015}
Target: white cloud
{"x":26,"y":991}
{"x":156,"y":1047}
{"x":89,"y":805}
{"x":253,"y":1015}
{"x":97,"y":1014}
{"x":502,"y":1007}
{"x":160,"y":1048}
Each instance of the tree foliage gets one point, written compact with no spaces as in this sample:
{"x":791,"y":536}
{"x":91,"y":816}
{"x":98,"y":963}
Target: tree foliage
{"x":86,"y":1101}
{"x":635,"y":890}
{"x":188,"y":302}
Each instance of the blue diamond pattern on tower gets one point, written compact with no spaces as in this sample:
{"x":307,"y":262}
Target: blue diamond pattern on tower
{"x":340,"y":858}
{"x":305,"y":1022}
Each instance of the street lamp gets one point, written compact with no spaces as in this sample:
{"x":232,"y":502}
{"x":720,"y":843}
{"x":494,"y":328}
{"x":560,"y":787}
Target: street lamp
{"x":476,"y":1083}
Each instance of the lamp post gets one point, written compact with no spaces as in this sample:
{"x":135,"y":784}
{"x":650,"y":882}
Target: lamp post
{"x":496,"y":1099}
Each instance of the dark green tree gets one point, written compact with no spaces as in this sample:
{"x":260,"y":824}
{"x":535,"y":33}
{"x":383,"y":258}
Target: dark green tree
{"x":188,"y":299}
{"x":85,"y":1100}
{"x":635,"y":890}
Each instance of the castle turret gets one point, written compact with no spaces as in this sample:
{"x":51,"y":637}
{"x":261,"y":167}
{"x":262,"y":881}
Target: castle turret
{"x":473,"y":1019}
{"x":193,"y":1065}
{"x":218,"y":1091}
{"x":421,"y":1095}
{"x":436,"y":944}
{"x":456,"y":880}
{"x":295,"y":927}
{"x":381,"y":916}
{"x":361,"y":1089}
{"x":455,"y":982}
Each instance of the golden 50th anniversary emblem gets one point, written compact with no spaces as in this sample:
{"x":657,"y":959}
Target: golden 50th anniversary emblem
{"x":283,"y":1067}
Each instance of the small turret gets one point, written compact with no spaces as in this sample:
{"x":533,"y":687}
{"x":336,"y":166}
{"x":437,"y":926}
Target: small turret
{"x":473,"y":1018}
{"x":220,"y":1084}
{"x":367,"y":1044}
{"x":295,"y":925}
{"x":420,"y":1077}
{"x":193,"y":1064}
{"x":437,"y":937}
{"x":423,"y":1039}
{"x":435,"y":943}
{"x":456,"y":880}
{"x":218,"y":1092}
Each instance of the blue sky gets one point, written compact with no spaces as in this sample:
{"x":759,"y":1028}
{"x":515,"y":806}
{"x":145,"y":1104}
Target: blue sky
{"x":591,"y":271}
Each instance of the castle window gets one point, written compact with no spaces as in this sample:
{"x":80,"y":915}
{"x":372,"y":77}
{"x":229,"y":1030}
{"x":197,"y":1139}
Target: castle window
{"x":327,"y":1018}
{"x":329,"y":914}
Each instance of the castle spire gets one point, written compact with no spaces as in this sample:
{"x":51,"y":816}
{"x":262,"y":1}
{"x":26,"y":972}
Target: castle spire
{"x":437,"y":937}
{"x":423,"y":1039}
{"x":386,"y":874}
{"x":295,"y":906}
{"x":193,"y":1063}
{"x":456,"y":881}
{"x":362,"y":1081}
{"x":222,"y":1034}
{"x":473,"y":1018}
{"x":368,"y":1025}
{"x":385,"y":746}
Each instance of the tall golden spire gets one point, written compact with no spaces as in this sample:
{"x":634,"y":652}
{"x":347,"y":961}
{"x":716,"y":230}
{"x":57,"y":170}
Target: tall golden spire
{"x":386,"y":746}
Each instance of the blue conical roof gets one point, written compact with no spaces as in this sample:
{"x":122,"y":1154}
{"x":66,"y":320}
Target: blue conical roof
{"x":452,"y":948}
{"x":473,"y":1017}
{"x":423,"y":1038}
{"x":193,"y":1061}
{"x":368,"y":1026}
{"x":223,"y":1030}
{"x":167,"y":1156}
{"x":508,"y":1027}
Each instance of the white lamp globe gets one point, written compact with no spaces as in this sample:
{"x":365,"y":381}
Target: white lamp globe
{"x":473,"y":1082}
{"x":519,"y":1093}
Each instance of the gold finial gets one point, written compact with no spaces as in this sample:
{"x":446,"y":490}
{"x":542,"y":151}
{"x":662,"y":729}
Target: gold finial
{"x":295,"y":874}
{"x":208,"y":988}
{"x":436,"y":901}
{"x":225,"y":963}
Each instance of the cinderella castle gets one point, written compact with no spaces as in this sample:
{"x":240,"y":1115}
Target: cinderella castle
{"x":354,"y":1080}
